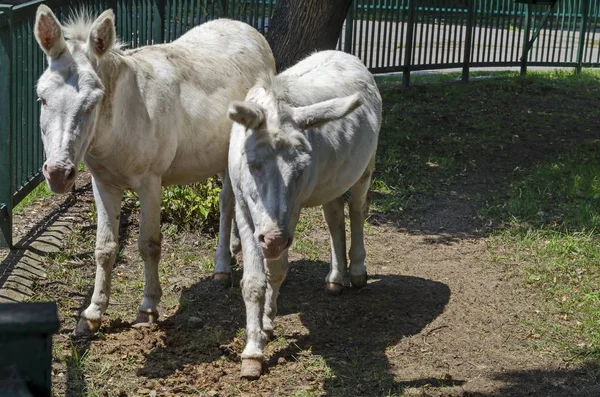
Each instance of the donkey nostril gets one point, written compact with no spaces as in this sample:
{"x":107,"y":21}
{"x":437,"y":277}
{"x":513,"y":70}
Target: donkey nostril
{"x":71,"y":173}
{"x":45,"y":167}
{"x":261,"y":238}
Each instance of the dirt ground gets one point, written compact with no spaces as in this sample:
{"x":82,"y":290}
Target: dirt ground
{"x":439,"y":316}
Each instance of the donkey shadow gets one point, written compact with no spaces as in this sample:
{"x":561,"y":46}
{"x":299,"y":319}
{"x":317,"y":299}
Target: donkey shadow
{"x":351,"y":332}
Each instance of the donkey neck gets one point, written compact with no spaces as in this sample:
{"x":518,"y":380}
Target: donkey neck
{"x":110,"y":69}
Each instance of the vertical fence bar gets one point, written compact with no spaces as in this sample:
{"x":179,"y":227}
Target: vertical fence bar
{"x":31,"y":171}
{"x":349,"y":29}
{"x":397,"y":33}
{"x":5,"y":134}
{"x":582,"y":31}
{"x":526,"y":40}
{"x":468,"y":40}
{"x":158,"y":21}
{"x":408,"y":46}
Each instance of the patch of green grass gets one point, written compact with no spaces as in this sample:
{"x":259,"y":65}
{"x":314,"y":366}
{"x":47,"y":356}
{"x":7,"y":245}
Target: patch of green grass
{"x":565,"y":267}
{"x":440,"y":132}
{"x":563,"y":193}
{"x":551,"y":218}
{"x":39,"y":192}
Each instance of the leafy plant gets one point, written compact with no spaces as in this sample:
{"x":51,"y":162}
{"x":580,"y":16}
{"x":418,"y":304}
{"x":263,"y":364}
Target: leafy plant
{"x":192,"y":206}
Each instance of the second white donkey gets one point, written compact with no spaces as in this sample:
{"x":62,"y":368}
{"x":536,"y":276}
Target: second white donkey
{"x":301,"y":139}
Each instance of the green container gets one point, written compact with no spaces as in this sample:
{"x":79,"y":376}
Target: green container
{"x":26,"y":331}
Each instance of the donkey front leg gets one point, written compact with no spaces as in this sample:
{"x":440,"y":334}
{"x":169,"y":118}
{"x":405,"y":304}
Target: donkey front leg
{"x":254,"y":284}
{"x":334,"y":215}
{"x":149,"y":241}
{"x":108,"y":205}
{"x":223,"y":255}
{"x":276,"y":272}
{"x":359,"y":209}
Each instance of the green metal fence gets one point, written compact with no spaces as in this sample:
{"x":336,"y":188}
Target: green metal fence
{"x":408,"y":35}
{"x":388,"y":35}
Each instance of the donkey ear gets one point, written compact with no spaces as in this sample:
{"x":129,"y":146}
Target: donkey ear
{"x":103,"y":34}
{"x":316,"y":115}
{"x":248,"y":114}
{"x":48,"y":32}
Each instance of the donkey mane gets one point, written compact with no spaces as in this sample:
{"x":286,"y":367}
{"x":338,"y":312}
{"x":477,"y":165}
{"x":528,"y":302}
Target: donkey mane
{"x":79,"y":25}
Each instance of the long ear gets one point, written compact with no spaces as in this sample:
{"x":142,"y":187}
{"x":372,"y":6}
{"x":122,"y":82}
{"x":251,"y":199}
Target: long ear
{"x":103,"y":34}
{"x":248,"y":114}
{"x":313,"y":116}
{"x":48,"y":32}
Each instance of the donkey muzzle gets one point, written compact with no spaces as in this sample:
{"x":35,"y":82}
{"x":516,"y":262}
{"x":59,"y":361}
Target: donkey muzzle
{"x":60,"y":177}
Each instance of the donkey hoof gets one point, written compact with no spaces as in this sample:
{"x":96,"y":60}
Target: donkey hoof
{"x":358,"y":281}
{"x":223,"y":279}
{"x":144,"y":320}
{"x":251,"y":368}
{"x":334,"y":288}
{"x":86,"y":327}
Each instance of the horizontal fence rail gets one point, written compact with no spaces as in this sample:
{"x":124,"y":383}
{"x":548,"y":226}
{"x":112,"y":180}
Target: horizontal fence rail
{"x":388,"y":35}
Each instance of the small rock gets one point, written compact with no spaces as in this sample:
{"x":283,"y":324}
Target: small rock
{"x":281,"y":360}
{"x":195,"y":323}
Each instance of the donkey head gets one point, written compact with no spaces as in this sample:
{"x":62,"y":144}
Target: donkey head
{"x":278,"y":169}
{"x":70,"y":89}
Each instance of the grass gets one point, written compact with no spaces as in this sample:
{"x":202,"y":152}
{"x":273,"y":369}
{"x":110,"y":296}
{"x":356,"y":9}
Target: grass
{"x":552,"y":216}
{"x":41,"y":191}
{"x":546,"y":209}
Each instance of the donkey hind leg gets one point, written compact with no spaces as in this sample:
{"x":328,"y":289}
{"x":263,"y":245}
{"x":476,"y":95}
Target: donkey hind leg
{"x":108,"y":205}
{"x":223,"y":255}
{"x":149,"y":244}
{"x":276,"y":272}
{"x":334,"y":215}
{"x":359,"y":210}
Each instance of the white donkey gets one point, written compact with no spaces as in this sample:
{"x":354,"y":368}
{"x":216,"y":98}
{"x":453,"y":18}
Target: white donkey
{"x":300,"y":139}
{"x":141,"y":119}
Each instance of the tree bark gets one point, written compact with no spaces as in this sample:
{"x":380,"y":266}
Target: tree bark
{"x":300,"y":27}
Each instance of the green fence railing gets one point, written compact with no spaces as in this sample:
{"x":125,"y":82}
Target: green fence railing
{"x":408,"y":35}
{"x":388,"y":35}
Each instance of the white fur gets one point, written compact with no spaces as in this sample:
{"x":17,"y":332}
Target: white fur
{"x":142,"y":119}
{"x":302,"y":138}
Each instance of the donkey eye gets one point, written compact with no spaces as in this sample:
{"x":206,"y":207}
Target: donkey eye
{"x":42,"y":100}
{"x":91,"y":107}
{"x":255,"y":168}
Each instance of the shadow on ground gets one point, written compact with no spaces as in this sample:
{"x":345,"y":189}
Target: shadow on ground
{"x":449,"y":153}
{"x":350,"y":333}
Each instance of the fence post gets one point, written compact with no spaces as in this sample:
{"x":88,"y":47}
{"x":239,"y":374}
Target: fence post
{"x":582,"y":32}
{"x":158,"y":20}
{"x":526,"y":40}
{"x":408,"y":46}
{"x":6,"y":178}
{"x":348,"y":44}
{"x":468,"y":40}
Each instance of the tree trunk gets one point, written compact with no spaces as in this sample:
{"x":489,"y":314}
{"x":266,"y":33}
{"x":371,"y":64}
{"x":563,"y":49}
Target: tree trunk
{"x":300,"y":27}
